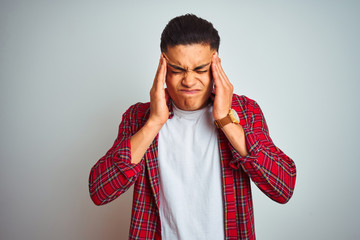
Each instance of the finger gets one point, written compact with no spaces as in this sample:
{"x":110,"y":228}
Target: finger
{"x":157,"y":71}
{"x":222,"y":74}
{"x":220,"y":69}
{"x":160,"y":77}
{"x":215,"y":70}
{"x":219,"y":80}
{"x":162,"y":74}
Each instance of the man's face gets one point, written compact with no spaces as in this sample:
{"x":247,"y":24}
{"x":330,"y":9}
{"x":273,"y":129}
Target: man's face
{"x":189,"y":79}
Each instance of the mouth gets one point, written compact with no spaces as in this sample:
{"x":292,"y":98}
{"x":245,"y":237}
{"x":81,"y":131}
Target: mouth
{"x":189,"y":91}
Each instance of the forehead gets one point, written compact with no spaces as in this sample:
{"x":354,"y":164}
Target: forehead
{"x":189,"y":56}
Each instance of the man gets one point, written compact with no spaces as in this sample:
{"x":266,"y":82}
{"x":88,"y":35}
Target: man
{"x":191,"y":151}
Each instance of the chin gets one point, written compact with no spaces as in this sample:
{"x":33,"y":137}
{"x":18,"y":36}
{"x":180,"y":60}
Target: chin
{"x":189,"y":105}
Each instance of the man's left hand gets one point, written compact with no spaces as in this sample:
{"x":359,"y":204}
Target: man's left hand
{"x":223,"y":89}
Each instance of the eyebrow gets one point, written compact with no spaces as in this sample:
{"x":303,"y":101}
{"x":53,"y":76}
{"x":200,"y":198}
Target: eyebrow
{"x":184,"y":70}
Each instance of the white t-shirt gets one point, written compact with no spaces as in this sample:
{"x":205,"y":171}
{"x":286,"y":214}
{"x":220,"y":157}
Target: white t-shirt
{"x":191,"y":203}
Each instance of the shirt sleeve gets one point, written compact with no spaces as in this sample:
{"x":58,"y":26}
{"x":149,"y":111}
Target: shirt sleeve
{"x":114,"y":173}
{"x":269,"y":168}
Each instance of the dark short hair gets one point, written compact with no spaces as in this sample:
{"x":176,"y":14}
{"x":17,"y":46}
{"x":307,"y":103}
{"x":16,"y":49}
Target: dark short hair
{"x":189,"y":29}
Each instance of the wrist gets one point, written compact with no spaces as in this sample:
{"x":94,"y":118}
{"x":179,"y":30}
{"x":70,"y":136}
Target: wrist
{"x":230,"y":117}
{"x":154,"y":124}
{"x":220,"y":115}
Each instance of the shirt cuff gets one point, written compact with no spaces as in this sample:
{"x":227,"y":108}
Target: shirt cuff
{"x":123,"y":160}
{"x":253,"y":146}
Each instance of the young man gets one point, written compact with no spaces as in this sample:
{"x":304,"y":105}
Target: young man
{"x":191,"y":151}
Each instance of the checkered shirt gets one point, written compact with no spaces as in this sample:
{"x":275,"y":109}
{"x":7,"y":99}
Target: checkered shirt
{"x":272,"y":171}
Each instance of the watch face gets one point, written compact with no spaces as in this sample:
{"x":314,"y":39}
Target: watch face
{"x":236,"y":116}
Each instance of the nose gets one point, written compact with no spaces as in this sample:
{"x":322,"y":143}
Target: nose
{"x":189,"y":79}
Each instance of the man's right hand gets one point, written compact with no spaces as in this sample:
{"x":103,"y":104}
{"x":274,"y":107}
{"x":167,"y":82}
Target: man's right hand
{"x":159,"y":112}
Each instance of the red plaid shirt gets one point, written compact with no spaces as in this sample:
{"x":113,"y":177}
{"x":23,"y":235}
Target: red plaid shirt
{"x":266,"y":165}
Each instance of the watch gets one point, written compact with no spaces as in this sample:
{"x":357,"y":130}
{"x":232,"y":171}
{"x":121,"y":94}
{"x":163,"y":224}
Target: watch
{"x":232,"y":117}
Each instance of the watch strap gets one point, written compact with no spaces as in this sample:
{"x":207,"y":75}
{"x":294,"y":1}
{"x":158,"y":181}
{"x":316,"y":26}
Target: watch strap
{"x":229,"y":118}
{"x":220,"y":123}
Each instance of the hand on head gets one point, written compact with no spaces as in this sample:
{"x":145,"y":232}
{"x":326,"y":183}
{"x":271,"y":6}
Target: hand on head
{"x":159,"y":112}
{"x":223,"y":89}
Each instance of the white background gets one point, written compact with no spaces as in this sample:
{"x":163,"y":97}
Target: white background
{"x":69,"y":70}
